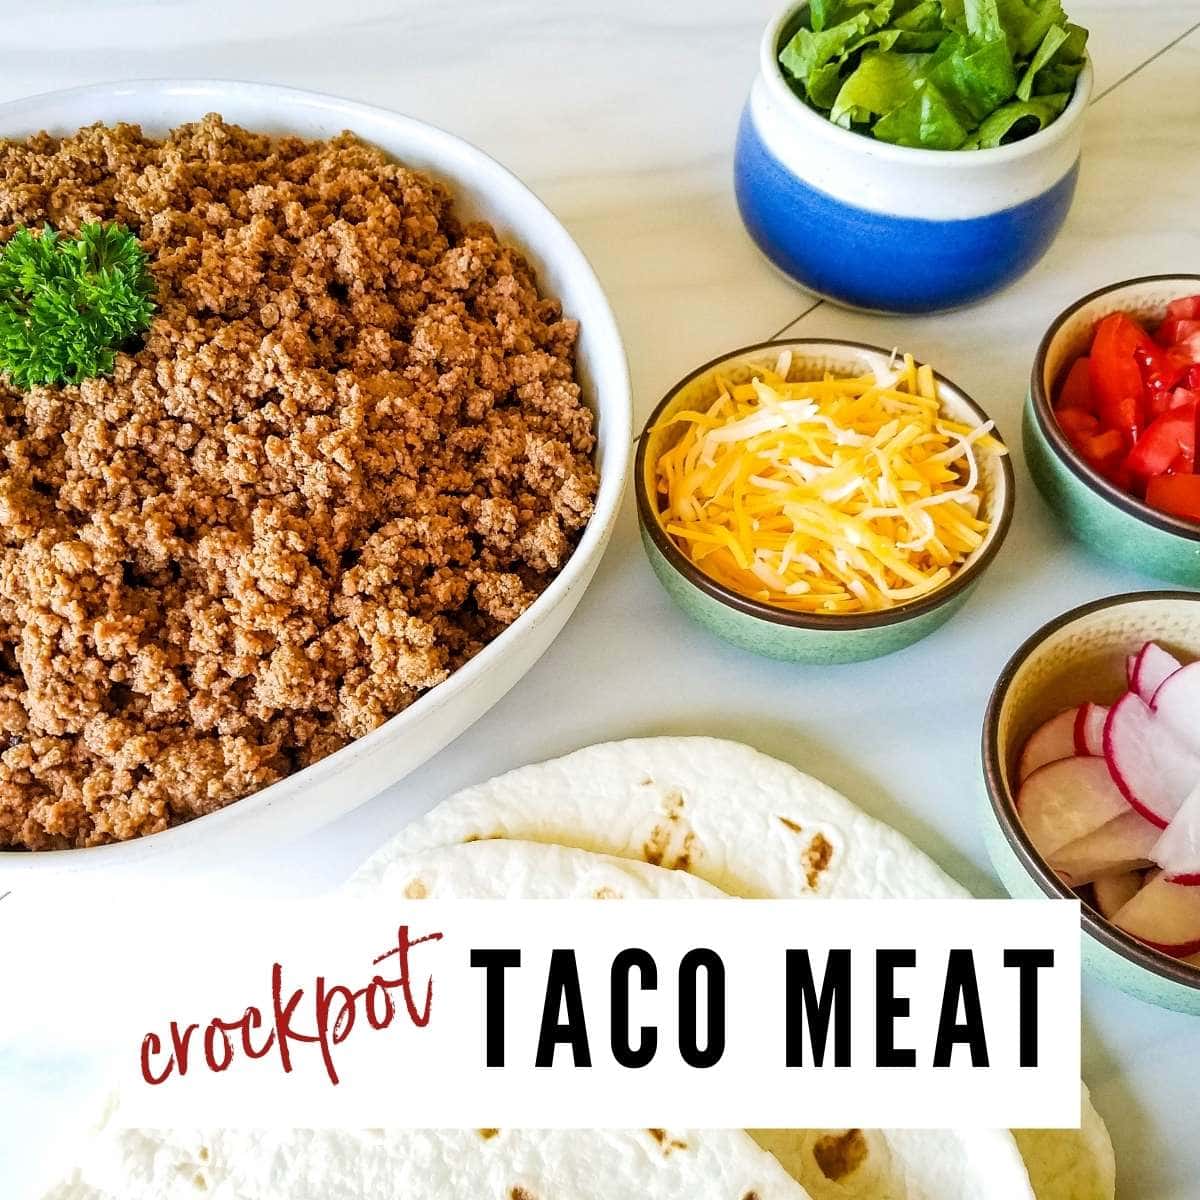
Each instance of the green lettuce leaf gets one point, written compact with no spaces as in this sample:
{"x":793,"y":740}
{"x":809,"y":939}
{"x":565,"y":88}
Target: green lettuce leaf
{"x":1026,"y":22}
{"x":824,"y":84}
{"x":824,"y":14}
{"x":922,"y":17}
{"x":975,"y":77}
{"x":1075,"y":46}
{"x":1017,"y":120}
{"x":808,"y":51}
{"x":919,"y":41}
{"x":881,"y":82}
{"x":881,"y":39}
{"x":919,"y":28}
{"x":1057,"y":77}
{"x":1055,"y":38}
{"x":954,"y":15}
{"x":925,"y":120}
{"x":983,"y":20}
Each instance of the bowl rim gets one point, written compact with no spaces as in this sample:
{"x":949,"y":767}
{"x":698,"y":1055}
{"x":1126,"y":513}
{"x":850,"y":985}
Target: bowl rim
{"x":1043,"y":411}
{"x":1004,"y":807}
{"x":994,"y":156}
{"x":613,"y":435}
{"x":648,"y":516}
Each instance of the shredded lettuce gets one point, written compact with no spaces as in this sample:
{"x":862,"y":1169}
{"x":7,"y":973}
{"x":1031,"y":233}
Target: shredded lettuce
{"x":881,"y":84}
{"x":983,"y":20}
{"x":1017,"y":120}
{"x":926,"y":120}
{"x":1056,"y":35}
{"x":809,"y":51}
{"x":937,"y":74}
{"x":824,"y":84}
{"x":974,"y":73}
{"x":1026,"y":22}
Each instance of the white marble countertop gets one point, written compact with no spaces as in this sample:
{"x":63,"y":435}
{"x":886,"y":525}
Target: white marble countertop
{"x":621,"y":115}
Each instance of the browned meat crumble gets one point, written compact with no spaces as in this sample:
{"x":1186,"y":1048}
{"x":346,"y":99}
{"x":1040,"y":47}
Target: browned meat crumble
{"x":350,"y":451}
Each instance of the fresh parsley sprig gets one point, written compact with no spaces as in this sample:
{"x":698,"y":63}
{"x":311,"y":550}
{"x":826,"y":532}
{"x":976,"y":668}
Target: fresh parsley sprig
{"x":67,"y":304}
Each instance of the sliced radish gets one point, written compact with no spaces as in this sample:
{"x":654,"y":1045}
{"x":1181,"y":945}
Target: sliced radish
{"x":1177,"y":702}
{"x":1067,"y":800}
{"x":1048,"y":743}
{"x":1152,"y":665}
{"x":1130,"y":669}
{"x":1114,"y":891}
{"x":1164,"y":915}
{"x":1122,"y":844}
{"x":1154,"y":769}
{"x":1089,"y":728}
{"x":1177,"y":849}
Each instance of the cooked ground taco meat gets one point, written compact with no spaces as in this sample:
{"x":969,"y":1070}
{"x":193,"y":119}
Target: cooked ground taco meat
{"x":350,"y":450}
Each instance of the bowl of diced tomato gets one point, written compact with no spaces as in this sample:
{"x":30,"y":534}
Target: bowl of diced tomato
{"x":1110,"y":426}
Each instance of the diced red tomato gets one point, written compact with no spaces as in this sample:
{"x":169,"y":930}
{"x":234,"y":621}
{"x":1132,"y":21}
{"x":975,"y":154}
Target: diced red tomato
{"x":1157,"y":403}
{"x":1168,"y":440}
{"x":1186,"y":308}
{"x":1189,"y":347}
{"x":1104,"y":449}
{"x":1177,"y":329}
{"x":1175,"y":494}
{"x":1131,"y":407}
{"x":1076,"y":390}
{"x":1115,"y":376}
{"x":1076,"y":421}
{"x":1162,"y":367}
{"x":1081,"y":427}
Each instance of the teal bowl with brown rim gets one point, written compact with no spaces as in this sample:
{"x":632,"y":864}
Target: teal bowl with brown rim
{"x":1113,"y":523}
{"x":1076,"y":657}
{"x":807,"y":637}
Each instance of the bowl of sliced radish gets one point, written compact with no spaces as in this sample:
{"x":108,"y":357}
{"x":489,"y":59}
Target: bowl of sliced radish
{"x":1091,"y":760}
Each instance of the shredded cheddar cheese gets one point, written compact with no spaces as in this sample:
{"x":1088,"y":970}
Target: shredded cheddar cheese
{"x":826,"y":496}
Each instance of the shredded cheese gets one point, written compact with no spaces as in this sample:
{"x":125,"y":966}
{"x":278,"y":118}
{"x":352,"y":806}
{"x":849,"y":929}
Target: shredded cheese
{"x":827,"y":496}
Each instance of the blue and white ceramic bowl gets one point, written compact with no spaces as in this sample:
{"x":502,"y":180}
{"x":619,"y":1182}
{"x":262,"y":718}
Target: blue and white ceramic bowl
{"x":888,"y":228}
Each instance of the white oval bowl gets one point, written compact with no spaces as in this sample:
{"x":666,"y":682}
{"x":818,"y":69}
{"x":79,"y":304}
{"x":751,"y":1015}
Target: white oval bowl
{"x":482,"y":189}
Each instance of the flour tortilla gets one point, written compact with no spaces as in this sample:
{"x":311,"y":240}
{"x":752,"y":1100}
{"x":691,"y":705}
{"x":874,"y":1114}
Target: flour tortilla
{"x":900,"y":1164}
{"x":841,"y":1164}
{"x":512,"y":870}
{"x":753,"y":827}
{"x":748,"y":824}
{"x":1071,"y":1164}
{"x":653,"y":1164}
{"x":487,"y":1164}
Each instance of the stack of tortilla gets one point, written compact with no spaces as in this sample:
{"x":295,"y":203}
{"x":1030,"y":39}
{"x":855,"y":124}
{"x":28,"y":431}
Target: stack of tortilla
{"x":650,"y":818}
{"x":377,"y":1164}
